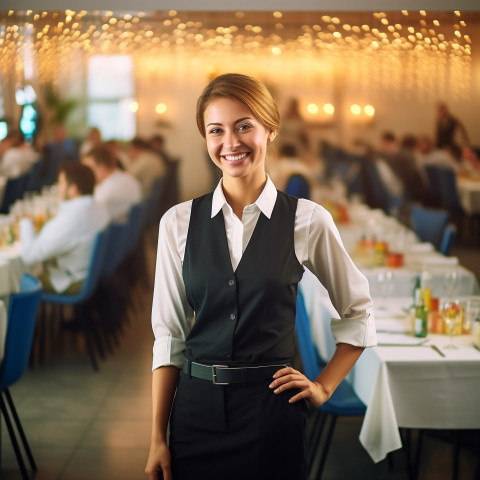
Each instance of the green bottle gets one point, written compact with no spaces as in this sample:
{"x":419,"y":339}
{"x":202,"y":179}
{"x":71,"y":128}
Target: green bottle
{"x":420,"y":324}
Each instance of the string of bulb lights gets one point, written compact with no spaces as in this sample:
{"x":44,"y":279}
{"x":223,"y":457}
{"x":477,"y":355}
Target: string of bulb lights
{"x":425,"y":53}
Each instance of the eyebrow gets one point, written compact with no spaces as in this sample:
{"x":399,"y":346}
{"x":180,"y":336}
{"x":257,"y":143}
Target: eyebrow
{"x":235,"y":122}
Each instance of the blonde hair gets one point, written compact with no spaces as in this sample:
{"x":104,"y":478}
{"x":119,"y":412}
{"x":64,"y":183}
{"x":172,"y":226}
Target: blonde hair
{"x":247,"y":90}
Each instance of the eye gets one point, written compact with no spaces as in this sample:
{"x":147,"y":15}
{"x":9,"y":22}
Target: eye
{"x":215,"y":131}
{"x":244,"y":126}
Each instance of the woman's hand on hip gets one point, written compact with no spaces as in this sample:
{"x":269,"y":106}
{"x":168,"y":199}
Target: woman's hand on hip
{"x":288,"y":378}
{"x":159,"y":462}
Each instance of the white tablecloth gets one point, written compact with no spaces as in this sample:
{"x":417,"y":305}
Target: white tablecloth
{"x":403,"y":386}
{"x":469,"y":192}
{"x":3,"y":329}
{"x":12,"y":269}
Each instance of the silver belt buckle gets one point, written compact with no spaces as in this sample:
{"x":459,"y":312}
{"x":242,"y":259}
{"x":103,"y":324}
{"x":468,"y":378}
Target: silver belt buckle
{"x":214,"y":374}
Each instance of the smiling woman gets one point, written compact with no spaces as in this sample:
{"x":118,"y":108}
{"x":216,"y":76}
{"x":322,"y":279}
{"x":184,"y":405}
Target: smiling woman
{"x":233,"y":259}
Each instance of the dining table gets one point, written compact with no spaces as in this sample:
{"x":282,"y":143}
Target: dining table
{"x":417,"y":257}
{"x":404,"y":381}
{"x":469,"y":193}
{"x":12,"y":269}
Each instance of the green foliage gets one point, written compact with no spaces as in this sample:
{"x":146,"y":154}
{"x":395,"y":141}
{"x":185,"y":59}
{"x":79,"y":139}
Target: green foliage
{"x":60,"y":107}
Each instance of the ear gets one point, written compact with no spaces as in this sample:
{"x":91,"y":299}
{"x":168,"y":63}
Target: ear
{"x":271,"y":136}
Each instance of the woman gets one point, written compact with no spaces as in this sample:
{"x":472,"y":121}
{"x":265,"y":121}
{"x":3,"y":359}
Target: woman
{"x":234,"y":258}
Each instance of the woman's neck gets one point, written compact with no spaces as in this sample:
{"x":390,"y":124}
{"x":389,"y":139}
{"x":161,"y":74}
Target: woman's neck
{"x":240,"y":192}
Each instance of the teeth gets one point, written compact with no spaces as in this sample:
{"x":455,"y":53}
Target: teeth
{"x":234,"y":158}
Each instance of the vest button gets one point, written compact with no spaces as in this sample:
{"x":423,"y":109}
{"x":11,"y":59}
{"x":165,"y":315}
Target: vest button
{"x":232,"y":316}
{"x":231,"y":283}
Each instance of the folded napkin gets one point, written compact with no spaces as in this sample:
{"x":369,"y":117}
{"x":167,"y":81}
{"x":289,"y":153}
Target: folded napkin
{"x":420,"y":247}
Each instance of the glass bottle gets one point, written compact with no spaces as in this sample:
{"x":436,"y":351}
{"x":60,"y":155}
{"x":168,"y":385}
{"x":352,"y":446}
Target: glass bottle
{"x":420,"y":326}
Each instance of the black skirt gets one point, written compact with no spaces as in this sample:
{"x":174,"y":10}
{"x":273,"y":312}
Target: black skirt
{"x":238,"y":431}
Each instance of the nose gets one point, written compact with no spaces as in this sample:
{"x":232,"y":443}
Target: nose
{"x":231,"y":140}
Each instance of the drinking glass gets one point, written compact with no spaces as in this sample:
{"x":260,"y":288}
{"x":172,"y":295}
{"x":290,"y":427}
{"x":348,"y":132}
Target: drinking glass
{"x":385,"y":285}
{"x":472,"y":312}
{"x":450,"y":282}
{"x":451,"y":314}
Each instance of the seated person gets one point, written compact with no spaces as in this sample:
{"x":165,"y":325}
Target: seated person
{"x":65,"y":242}
{"x":118,"y":191}
{"x":17,"y":157}
{"x":144,"y":164}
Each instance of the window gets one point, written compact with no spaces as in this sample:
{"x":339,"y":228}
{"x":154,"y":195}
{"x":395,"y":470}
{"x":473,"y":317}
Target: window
{"x":110,"y":96}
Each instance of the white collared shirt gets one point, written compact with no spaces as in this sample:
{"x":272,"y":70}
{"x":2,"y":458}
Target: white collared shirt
{"x":67,"y":239}
{"x":118,"y":193}
{"x":317,"y":246}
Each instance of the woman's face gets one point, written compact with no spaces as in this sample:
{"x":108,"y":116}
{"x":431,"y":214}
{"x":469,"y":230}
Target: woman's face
{"x":236,"y":141}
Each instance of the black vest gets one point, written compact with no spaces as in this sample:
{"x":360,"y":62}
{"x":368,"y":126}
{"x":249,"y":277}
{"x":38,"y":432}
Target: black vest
{"x":247,"y":316}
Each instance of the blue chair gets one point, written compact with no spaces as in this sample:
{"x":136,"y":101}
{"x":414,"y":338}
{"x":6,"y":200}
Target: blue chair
{"x":154,"y":202}
{"x":429,"y":224}
{"x":298,"y":186}
{"x":448,"y":240}
{"x":377,"y":195}
{"x":22,"y":315}
{"x":14,"y":189}
{"x":343,"y":403}
{"x":80,"y":300}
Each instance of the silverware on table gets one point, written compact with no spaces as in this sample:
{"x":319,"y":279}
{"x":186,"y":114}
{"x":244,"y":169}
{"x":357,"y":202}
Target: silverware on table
{"x":437,"y":350}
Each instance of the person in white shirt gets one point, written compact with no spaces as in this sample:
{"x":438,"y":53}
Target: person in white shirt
{"x":144,"y":164}
{"x":233,"y":259}
{"x":118,"y":191}
{"x":64,"y":244}
{"x":93,"y":138}
{"x":18,"y":157}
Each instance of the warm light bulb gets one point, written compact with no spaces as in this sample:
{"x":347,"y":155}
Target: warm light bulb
{"x":355,"y":109}
{"x":369,"y":110}
{"x":329,"y":109}
{"x":312,"y":108}
{"x":133,"y":107}
{"x":160,"y":108}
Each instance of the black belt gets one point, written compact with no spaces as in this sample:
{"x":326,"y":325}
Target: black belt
{"x":224,"y":375}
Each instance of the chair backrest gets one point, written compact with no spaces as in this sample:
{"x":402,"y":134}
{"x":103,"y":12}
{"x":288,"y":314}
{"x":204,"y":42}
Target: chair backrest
{"x":22,"y":315}
{"x":94,"y":272}
{"x":298,"y":186}
{"x":434,"y":186}
{"x":448,"y":240}
{"x":449,"y":190}
{"x":135,"y":222}
{"x":376,"y":193}
{"x":429,"y":224}
{"x":311,"y":361}
{"x":154,"y":202}
{"x":96,"y":264}
{"x":115,"y":250}
{"x":11,"y":193}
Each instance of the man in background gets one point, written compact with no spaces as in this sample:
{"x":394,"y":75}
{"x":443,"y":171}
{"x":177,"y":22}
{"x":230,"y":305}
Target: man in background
{"x":115,"y":189}
{"x":64,"y":244}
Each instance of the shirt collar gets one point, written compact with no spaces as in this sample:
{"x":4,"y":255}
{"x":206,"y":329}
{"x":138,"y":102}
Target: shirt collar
{"x":73,"y":202}
{"x":265,"y":202}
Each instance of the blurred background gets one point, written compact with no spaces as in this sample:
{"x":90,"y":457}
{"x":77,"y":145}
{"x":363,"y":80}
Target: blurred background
{"x":353,"y":75}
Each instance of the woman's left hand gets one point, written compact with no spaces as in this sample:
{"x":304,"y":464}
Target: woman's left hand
{"x":288,"y":378}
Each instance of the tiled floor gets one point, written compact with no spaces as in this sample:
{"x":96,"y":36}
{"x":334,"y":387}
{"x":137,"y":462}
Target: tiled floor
{"x":84,"y":425}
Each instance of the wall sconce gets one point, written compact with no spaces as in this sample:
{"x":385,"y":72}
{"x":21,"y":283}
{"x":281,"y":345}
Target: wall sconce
{"x":160,"y":108}
{"x":362,"y":115}
{"x":322,"y":116}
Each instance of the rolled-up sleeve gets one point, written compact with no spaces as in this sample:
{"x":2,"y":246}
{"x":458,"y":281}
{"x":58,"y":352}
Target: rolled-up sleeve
{"x":347,"y":287}
{"x":171,"y":312}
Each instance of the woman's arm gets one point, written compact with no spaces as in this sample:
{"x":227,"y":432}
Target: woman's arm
{"x":164,"y":382}
{"x":321,"y":389}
